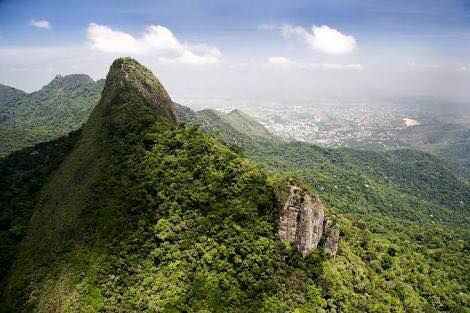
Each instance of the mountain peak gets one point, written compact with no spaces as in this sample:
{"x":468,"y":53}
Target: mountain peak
{"x":128,"y":73}
{"x":236,"y":111}
{"x":70,"y":81}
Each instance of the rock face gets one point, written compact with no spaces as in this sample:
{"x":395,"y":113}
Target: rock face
{"x":331,"y":238}
{"x":301,"y":220}
{"x":127,"y":73}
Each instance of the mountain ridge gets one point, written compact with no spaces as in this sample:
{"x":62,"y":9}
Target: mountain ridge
{"x":127,"y":179}
{"x":59,"y":107}
{"x":149,"y":214}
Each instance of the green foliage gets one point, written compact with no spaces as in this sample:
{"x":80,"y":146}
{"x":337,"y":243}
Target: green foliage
{"x":449,"y":141}
{"x":9,"y":99}
{"x":23,"y":175}
{"x":404,"y":219}
{"x":145,"y":215}
{"x":393,"y":201}
{"x":55,"y":110}
{"x":404,"y":184}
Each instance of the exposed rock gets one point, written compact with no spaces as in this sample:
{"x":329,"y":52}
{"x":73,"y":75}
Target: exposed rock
{"x":301,"y":220}
{"x":332,"y":237}
{"x":127,"y":73}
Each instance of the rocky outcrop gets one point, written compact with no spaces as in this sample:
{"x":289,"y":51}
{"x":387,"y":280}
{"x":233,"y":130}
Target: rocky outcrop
{"x":127,"y":74}
{"x":302,"y":222}
{"x":331,"y":234}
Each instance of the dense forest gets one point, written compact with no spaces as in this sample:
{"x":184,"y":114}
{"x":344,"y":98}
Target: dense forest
{"x":140,"y":212}
{"x":58,"y":108}
{"x":408,"y":201}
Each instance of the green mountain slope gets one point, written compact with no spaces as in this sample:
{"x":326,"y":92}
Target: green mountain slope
{"x":410,"y":206}
{"x":414,"y":212}
{"x":393,"y":177}
{"x":23,"y":175}
{"x":246,"y":124}
{"x":449,"y":141}
{"x":9,"y":99}
{"x":56,"y":109}
{"x":145,"y":214}
{"x":235,"y":128}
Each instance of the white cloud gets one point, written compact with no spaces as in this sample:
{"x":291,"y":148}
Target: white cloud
{"x":41,"y":24}
{"x":161,"y":40}
{"x":188,"y":57}
{"x":464,"y":68}
{"x":284,"y":62}
{"x":105,"y":39}
{"x":279,"y":61}
{"x":336,"y":66}
{"x":322,"y":38}
{"x":413,"y":65}
{"x":156,"y":40}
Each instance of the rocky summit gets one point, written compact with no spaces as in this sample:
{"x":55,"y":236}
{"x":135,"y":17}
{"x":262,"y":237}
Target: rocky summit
{"x":128,"y":73}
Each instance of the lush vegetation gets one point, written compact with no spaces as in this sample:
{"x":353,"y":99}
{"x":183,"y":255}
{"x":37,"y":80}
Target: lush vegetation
{"x":413,"y":212}
{"x":235,"y":128}
{"x":449,"y":141}
{"x":55,"y":110}
{"x":9,"y":99}
{"x":23,"y":175}
{"x":145,"y":215}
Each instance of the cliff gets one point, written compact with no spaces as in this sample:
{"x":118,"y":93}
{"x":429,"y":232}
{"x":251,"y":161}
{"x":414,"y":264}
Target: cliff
{"x":302,"y":222}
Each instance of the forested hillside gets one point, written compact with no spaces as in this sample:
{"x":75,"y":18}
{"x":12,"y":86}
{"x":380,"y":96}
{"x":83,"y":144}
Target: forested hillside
{"x":53,"y":111}
{"x":23,"y":174}
{"x":413,"y":209}
{"x":148,"y":215}
{"x":9,"y":99}
{"x":147,"y":212}
{"x":449,"y":141}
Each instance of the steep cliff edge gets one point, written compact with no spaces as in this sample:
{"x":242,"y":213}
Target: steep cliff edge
{"x":331,"y":238}
{"x":302,"y":222}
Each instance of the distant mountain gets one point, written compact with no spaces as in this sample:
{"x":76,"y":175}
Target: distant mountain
{"x":233,"y":128}
{"x":246,"y":124}
{"x":53,"y":111}
{"x":9,"y":99}
{"x":449,"y":141}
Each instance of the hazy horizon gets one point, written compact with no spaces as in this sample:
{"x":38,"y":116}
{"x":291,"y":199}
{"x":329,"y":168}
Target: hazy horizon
{"x":287,"y":49}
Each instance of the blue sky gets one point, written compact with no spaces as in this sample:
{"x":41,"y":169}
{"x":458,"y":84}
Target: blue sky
{"x":230,"y":47}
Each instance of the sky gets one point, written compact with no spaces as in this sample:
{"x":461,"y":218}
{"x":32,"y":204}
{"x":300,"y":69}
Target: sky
{"x":335,"y":49}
